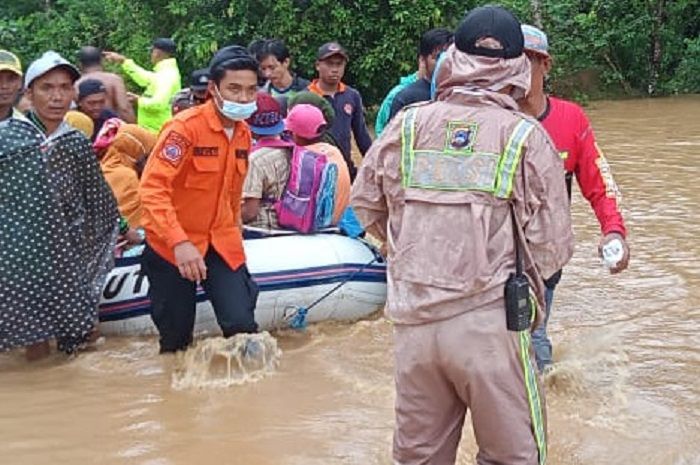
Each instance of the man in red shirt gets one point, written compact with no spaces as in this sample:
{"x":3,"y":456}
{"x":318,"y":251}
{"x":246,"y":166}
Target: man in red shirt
{"x":572,"y":134}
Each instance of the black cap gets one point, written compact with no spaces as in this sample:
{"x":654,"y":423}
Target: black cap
{"x":90,"y":87}
{"x":331,"y":49}
{"x":232,"y":53}
{"x":490,"y":21}
{"x":89,"y":56}
{"x":199,"y":79}
{"x":165,"y":44}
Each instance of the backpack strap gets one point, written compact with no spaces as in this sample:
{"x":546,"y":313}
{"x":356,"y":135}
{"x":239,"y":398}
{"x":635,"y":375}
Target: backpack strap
{"x":325,"y":197}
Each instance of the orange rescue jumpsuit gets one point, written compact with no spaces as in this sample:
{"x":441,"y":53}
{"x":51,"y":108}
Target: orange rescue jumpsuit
{"x":191,"y":191}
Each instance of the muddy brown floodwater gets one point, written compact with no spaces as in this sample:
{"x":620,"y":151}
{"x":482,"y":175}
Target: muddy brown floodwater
{"x":626,"y":389}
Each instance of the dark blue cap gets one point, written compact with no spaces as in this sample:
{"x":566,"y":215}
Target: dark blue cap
{"x":165,"y":44}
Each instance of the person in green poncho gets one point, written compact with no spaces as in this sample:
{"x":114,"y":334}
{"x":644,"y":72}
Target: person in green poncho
{"x":161,"y":84}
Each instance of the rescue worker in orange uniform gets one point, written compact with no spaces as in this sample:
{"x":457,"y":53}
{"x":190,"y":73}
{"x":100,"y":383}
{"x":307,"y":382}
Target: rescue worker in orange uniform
{"x":191,"y":195}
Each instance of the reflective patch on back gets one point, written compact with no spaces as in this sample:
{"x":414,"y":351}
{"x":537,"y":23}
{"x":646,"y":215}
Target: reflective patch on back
{"x":510,"y":158}
{"x":457,"y":167}
{"x":446,"y":171}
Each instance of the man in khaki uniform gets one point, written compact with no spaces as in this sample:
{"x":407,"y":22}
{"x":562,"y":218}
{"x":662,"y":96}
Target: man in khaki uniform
{"x":451,"y":186}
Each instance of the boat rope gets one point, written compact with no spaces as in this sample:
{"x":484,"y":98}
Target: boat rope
{"x":297,"y":318}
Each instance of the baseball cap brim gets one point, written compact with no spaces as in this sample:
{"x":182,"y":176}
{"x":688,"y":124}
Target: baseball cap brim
{"x":341,"y":53}
{"x":72,"y":70}
{"x":13,"y":69}
{"x":199,"y":87}
{"x":536,"y":51}
{"x":535,"y":40}
{"x":268,"y":131}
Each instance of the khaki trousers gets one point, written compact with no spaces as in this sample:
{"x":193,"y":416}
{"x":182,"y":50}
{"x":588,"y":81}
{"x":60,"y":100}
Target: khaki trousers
{"x":470,"y":361}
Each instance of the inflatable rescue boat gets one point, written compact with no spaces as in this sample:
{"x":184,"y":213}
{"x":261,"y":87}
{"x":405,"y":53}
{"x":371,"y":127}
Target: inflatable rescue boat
{"x":292,"y":271}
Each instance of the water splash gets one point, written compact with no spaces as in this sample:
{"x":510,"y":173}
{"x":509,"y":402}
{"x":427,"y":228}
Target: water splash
{"x":219,"y":363}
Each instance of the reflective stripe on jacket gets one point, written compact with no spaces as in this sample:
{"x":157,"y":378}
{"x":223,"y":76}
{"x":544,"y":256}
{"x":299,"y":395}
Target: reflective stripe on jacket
{"x":160,"y":85}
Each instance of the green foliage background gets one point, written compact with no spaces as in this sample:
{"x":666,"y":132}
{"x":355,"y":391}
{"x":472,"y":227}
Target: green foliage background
{"x":600,"y":47}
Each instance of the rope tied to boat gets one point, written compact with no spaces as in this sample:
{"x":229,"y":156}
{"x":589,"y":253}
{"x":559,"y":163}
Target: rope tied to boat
{"x":297,"y":317}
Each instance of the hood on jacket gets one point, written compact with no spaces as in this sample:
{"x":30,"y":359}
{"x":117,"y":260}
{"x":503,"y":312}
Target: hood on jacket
{"x":130,"y":145}
{"x":456,"y":69}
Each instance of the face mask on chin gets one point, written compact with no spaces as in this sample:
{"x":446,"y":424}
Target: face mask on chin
{"x":233,"y":110}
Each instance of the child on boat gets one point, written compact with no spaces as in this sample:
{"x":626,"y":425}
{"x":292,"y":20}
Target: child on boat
{"x":306,"y":124}
{"x":268,"y":164}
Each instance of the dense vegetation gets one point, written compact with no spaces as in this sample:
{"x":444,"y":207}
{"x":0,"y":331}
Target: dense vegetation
{"x":622,"y":47}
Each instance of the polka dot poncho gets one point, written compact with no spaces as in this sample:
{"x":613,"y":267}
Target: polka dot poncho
{"x":58,"y":227}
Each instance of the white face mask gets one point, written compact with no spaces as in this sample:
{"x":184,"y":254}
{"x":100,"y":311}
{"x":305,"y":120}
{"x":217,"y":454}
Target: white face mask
{"x":236,"y":111}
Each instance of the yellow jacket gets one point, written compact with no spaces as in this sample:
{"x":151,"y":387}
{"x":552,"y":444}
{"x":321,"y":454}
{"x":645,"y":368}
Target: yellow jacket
{"x":160,"y":85}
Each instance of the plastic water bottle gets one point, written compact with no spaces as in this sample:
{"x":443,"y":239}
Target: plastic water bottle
{"x":613,"y":252}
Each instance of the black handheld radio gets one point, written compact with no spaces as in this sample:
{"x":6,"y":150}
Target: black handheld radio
{"x":517,"y":290}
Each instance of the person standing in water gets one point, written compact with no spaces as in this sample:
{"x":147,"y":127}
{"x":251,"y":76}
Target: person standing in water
{"x":59,"y":220}
{"x":572,"y":134}
{"x":469,"y":195}
{"x":191,"y":207}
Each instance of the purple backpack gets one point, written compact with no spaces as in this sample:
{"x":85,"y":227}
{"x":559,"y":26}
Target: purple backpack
{"x":296,"y":209}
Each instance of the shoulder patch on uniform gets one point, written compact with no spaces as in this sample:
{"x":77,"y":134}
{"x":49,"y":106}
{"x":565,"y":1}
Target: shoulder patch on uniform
{"x":242,"y":153}
{"x":174,"y":148}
